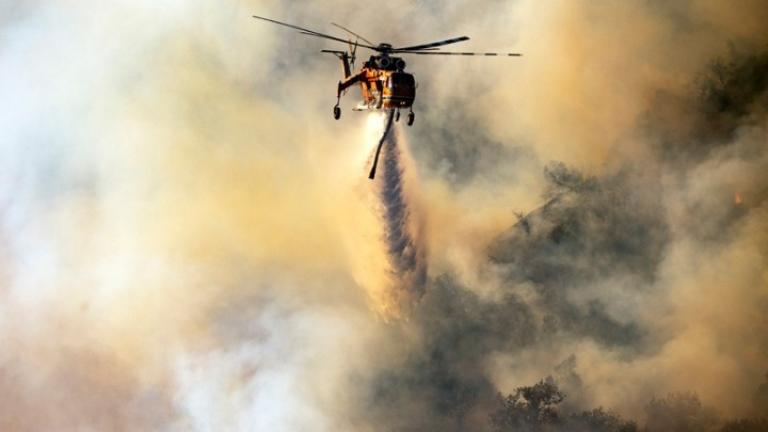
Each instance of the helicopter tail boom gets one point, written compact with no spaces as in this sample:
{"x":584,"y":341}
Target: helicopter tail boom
{"x":345,"y":61}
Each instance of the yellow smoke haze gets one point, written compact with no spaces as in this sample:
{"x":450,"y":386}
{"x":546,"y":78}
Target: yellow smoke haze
{"x":189,"y":241}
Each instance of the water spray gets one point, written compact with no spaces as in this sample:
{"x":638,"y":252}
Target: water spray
{"x":395,"y":210}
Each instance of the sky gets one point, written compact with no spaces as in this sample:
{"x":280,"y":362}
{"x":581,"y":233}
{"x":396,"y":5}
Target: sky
{"x":189,"y":241}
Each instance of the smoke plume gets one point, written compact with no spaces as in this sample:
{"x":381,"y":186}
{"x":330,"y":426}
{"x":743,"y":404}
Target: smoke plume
{"x":571,"y":240}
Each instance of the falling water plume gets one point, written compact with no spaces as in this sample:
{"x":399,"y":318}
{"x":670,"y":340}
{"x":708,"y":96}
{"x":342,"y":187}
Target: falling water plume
{"x":393,"y":201}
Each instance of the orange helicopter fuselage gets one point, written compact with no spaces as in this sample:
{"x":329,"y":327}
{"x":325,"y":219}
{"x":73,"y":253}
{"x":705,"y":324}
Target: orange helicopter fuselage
{"x":384,"y":85}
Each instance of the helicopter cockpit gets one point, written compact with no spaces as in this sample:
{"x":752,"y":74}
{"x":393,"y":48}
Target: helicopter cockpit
{"x":399,"y":90}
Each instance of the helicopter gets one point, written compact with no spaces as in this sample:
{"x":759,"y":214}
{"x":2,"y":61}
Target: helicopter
{"x":384,"y":84}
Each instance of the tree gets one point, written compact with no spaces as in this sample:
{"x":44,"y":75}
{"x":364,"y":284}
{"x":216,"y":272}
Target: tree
{"x":532,"y":408}
{"x":598,"y":420}
{"x":680,"y":412}
{"x":744,"y":425}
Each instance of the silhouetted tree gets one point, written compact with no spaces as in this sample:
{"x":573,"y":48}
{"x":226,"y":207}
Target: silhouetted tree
{"x":680,"y":412}
{"x":732,"y":86}
{"x":760,"y":399}
{"x":598,"y":420}
{"x":746,"y":425}
{"x":531,"y":408}
{"x":535,"y":409}
{"x":560,"y":178}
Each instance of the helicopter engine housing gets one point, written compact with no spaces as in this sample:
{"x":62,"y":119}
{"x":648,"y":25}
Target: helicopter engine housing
{"x":384,"y":62}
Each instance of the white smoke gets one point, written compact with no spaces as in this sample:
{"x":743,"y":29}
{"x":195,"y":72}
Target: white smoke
{"x":188,"y":240}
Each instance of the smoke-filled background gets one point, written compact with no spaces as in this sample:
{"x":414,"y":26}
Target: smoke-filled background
{"x":188,"y":241}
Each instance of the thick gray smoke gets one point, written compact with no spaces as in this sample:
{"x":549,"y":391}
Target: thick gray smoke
{"x":188,"y":241}
{"x":600,"y":280}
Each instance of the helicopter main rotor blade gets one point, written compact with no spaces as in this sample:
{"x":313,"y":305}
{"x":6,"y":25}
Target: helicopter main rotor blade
{"x":448,"y":53}
{"x":349,"y":42}
{"x":311,"y":32}
{"x":433,"y":44}
{"x":352,"y":33}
